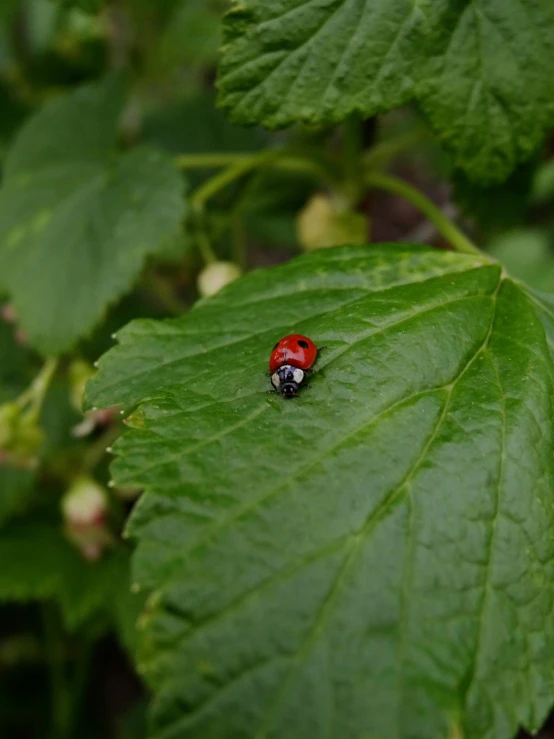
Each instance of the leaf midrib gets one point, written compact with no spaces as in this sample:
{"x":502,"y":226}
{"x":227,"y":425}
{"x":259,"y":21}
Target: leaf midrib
{"x":354,"y":540}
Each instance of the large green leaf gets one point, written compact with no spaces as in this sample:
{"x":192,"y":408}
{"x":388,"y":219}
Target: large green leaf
{"x":374,"y":559}
{"x":544,"y":305}
{"x":479,"y":70}
{"x":76,"y":221}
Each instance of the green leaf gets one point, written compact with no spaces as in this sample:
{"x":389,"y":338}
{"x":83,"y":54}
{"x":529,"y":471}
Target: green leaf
{"x":192,"y":34}
{"x":544,"y":305}
{"x":16,"y":484}
{"x":76,"y":221}
{"x":126,"y":609}
{"x":194,"y":125}
{"x":89,"y":6}
{"x":543,"y":185}
{"x":374,"y":558}
{"x":499,"y":207}
{"x":479,"y":70}
{"x":39,"y":563}
{"x":16,"y":489}
{"x":14,"y":364}
{"x":8,"y":9}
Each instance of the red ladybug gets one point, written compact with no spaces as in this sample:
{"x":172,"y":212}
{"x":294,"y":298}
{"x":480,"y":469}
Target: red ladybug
{"x":290,"y":359}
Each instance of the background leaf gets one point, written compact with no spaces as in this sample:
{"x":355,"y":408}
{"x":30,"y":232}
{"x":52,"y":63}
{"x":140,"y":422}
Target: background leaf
{"x":544,"y":305}
{"x":373,"y":559}
{"x":77,"y":222}
{"x":477,"y":70}
{"x":527,"y":254}
{"x":16,"y":488}
{"x":81,"y":588}
{"x":89,"y":6}
{"x":499,"y":207}
{"x":14,"y":372}
{"x":192,"y":33}
{"x":193,"y":124}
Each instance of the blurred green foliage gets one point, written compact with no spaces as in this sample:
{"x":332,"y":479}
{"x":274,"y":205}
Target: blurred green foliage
{"x":68,"y":619}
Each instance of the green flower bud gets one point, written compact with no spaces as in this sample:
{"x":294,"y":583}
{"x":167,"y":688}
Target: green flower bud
{"x":215,"y":276}
{"x":325,"y":221}
{"x":84,"y":509}
{"x":20,"y":434}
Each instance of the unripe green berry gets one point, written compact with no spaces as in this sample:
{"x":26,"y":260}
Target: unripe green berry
{"x":215,"y":276}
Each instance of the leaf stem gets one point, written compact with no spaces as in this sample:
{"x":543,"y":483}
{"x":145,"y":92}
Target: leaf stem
{"x":444,"y":225}
{"x":212,"y":160}
{"x":34,"y":395}
{"x":382,"y":153}
{"x":242,"y":164}
{"x":241,"y":167}
{"x":96,"y":451}
{"x":164,"y":292}
{"x":352,"y":147}
{"x":201,"y":236}
{"x":238,"y":236}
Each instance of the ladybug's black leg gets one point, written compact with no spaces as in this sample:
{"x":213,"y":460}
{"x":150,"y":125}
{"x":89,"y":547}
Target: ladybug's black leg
{"x":321,"y":348}
{"x":309,"y":370}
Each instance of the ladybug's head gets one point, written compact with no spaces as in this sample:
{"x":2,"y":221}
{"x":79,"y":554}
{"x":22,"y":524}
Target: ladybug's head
{"x":287,"y":379}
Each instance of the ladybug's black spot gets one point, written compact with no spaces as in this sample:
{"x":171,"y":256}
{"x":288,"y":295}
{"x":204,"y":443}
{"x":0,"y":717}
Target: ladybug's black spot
{"x":303,"y":344}
{"x":276,"y":345}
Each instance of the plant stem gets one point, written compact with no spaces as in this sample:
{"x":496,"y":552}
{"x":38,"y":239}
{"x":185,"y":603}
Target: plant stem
{"x":96,"y":451}
{"x":382,"y":153}
{"x":452,"y":233}
{"x":36,"y":392}
{"x":305,"y":166}
{"x":239,"y":240}
{"x":232,"y":173}
{"x":202,"y":240}
{"x":214,"y":185}
{"x":242,"y":164}
{"x":164,"y":293}
{"x":207,"y":161}
{"x":352,"y":147}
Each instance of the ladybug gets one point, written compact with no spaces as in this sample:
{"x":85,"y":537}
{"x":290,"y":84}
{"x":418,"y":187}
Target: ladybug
{"x":292,"y":357}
